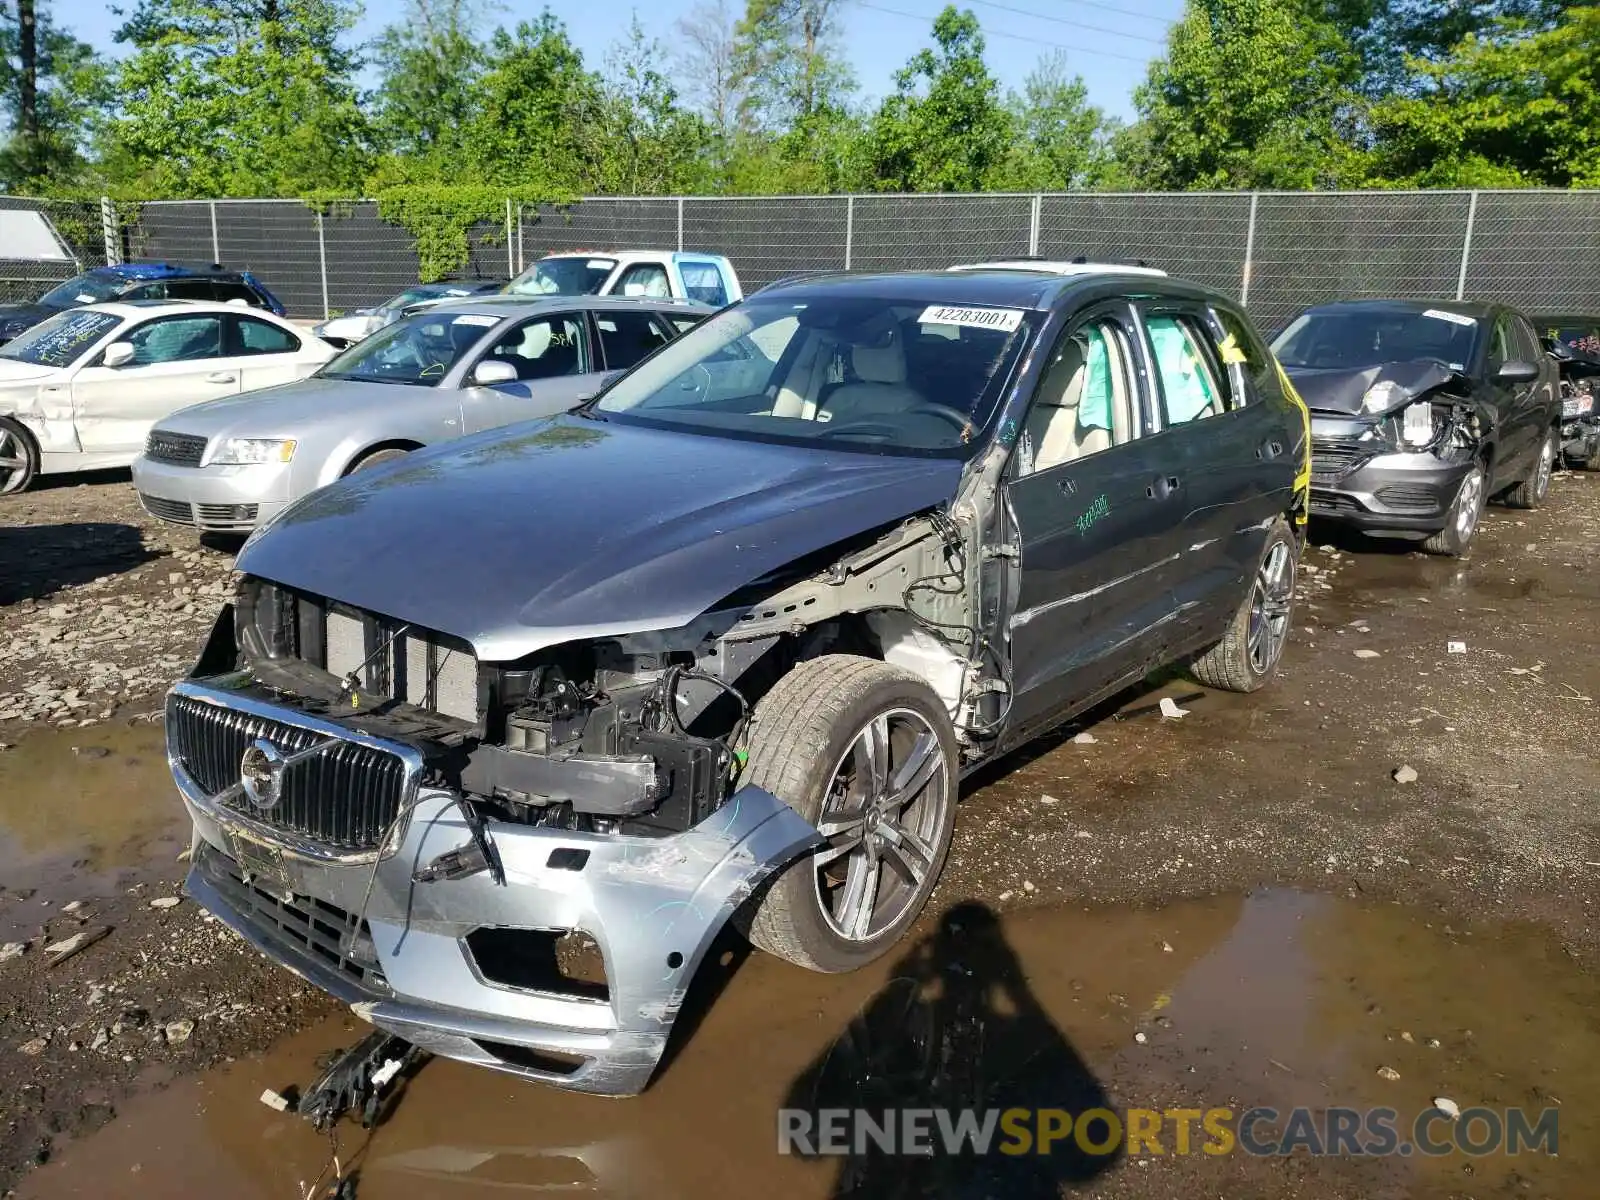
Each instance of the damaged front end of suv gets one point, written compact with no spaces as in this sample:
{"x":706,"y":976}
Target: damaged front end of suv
{"x":513,"y":843}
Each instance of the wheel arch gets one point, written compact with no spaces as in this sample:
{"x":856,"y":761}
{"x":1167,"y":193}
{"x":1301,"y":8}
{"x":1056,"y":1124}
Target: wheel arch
{"x":354,"y":460}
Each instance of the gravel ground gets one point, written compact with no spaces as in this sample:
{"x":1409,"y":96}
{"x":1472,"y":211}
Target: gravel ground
{"x":1296,"y":786}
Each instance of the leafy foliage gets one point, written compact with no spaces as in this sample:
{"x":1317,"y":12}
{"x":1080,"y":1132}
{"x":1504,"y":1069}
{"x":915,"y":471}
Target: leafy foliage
{"x":260,"y":98}
{"x":443,"y":218}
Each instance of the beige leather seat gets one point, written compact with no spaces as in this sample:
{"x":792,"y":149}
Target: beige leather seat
{"x":880,"y":385}
{"x":1054,"y":430}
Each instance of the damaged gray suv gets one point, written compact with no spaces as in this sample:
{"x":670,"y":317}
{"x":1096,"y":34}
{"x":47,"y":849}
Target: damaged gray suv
{"x":495,"y":739}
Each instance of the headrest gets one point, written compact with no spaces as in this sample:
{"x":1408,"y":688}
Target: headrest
{"x":1067,"y":369}
{"x":879,"y":364}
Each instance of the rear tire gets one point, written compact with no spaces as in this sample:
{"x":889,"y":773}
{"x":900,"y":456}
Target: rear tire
{"x":1248,"y":654}
{"x":1466,"y":511}
{"x":19,"y":458}
{"x":376,"y":459}
{"x":866,"y":752}
{"x":1530,"y":493}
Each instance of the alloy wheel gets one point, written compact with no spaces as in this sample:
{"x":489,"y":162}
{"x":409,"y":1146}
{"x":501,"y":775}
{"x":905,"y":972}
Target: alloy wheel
{"x":1547,"y":458}
{"x":887,"y":800}
{"x":1469,"y":505}
{"x":1270,"y":604}
{"x":15,"y":465}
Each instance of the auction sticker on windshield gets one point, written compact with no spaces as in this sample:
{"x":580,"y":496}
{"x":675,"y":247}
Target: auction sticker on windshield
{"x":1005,"y":319}
{"x":1439,"y":314}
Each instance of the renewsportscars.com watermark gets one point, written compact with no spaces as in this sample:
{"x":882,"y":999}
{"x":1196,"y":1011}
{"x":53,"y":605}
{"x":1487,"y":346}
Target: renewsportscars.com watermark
{"x":1258,"y":1131}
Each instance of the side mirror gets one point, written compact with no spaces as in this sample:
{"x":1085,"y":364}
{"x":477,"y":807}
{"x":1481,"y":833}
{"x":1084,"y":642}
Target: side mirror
{"x":1517,"y":371}
{"x":491,"y":372}
{"x":119,"y":354}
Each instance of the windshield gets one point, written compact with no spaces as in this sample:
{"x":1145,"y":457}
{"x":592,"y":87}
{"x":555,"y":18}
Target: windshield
{"x":576,"y":275}
{"x":419,"y":350}
{"x":430,"y":291}
{"x":849,"y":373}
{"x":88,"y":288}
{"x":1354,"y":339}
{"x":60,"y":340}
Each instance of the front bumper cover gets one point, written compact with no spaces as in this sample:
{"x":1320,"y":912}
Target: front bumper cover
{"x":653,"y":906}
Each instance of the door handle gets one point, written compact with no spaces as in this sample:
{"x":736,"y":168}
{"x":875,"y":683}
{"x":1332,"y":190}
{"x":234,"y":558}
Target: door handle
{"x":1067,"y":486}
{"x":1269,"y":449}
{"x":221,"y":377}
{"x":1162,"y":487}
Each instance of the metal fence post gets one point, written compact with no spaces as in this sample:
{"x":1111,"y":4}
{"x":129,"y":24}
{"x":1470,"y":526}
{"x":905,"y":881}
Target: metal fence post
{"x":511,"y":250}
{"x":680,"y":222}
{"x":1249,"y":253}
{"x":108,"y":231}
{"x":521,"y":261}
{"x":216,"y":243}
{"x":849,"y":229}
{"x":322,"y":259}
{"x":1466,"y":245}
{"x":1033,"y":224}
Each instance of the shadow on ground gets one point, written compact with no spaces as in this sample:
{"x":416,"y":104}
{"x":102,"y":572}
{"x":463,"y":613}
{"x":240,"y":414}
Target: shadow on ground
{"x":39,"y":560}
{"x":956,"y":1028}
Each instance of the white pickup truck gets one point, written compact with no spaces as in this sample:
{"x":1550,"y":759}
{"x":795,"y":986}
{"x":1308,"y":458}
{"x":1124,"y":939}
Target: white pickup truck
{"x":657,"y":274}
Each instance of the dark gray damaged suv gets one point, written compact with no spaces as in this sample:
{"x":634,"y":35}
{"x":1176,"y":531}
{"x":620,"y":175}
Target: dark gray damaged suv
{"x":495,"y":739}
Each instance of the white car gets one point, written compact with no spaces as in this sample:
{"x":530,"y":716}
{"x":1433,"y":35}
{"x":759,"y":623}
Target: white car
{"x":651,"y":274}
{"x":80,"y":390}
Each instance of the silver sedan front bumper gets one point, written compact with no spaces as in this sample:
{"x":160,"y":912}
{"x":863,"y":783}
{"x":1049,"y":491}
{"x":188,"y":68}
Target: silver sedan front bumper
{"x":397,"y":951}
{"x":214,"y":499}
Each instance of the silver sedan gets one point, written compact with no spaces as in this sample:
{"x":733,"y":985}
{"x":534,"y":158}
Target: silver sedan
{"x":228,"y":465}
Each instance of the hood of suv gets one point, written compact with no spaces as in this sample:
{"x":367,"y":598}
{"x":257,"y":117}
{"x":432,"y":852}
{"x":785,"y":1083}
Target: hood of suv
{"x":573,"y":528}
{"x":1344,"y":391}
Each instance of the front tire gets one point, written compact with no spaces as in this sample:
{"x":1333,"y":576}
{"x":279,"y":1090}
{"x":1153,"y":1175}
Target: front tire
{"x":1248,"y":654}
{"x":1462,"y":520}
{"x":866,"y":752}
{"x":376,"y":459}
{"x":1530,"y":493}
{"x":19,"y":458}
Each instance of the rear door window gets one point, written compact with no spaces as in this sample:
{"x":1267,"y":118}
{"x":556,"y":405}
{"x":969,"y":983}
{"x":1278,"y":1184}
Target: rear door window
{"x":627,"y":337}
{"x":1188,"y":368}
{"x":190,"y":289}
{"x":227,"y":291}
{"x":703,"y":281}
{"x":254,"y":336}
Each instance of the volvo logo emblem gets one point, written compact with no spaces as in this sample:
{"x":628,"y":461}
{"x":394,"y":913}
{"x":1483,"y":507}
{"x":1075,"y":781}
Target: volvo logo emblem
{"x":261,"y":774}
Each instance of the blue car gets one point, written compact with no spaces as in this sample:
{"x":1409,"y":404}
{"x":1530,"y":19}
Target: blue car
{"x":140,"y":281}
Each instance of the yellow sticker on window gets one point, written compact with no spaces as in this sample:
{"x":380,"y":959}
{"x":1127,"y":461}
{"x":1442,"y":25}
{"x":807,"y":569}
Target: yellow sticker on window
{"x":1230,"y":351}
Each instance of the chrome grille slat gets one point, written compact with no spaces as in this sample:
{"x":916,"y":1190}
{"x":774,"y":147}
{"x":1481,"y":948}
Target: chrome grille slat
{"x":345,"y":798}
{"x":178,"y":449}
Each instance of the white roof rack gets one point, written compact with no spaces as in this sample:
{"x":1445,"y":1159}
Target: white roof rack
{"x":1059,"y":268}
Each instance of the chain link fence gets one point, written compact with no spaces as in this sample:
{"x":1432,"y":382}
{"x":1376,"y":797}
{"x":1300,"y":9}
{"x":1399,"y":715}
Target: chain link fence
{"x":1278,"y":252}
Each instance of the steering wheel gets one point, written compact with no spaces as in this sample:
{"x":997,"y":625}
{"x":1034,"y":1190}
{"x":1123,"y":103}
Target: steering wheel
{"x":954,"y":415}
{"x":696,"y":381}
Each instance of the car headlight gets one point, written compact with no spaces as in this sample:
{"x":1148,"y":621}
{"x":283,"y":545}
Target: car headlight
{"x":242,"y":451}
{"x":1382,"y":396}
{"x":1416,"y":424}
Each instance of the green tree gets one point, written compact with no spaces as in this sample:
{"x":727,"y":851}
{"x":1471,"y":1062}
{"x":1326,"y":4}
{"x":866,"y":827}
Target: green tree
{"x":531,"y":107}
{"x":640,"y":140}
{"x":787,"y":63}
{"x":945,"y":128}
{"x":1516,"y":104}
{"x":238,"y":98}
{"x":1062,"y":141}
{"x":50,"y":95}
{"x":428,"y":65}
{"x":1251,"y":93}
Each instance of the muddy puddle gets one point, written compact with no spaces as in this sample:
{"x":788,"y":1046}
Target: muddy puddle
{"x":81,"y":810}
{"x":1278,"y":998}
